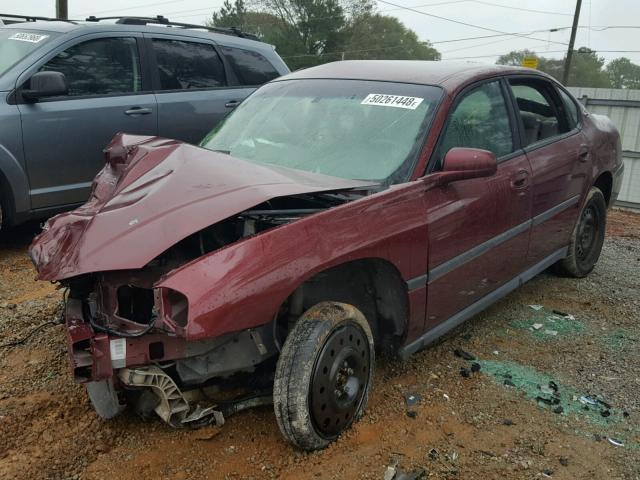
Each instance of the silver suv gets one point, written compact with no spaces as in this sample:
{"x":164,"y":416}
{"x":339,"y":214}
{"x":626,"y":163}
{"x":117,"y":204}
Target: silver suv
{"x":66,"y":87}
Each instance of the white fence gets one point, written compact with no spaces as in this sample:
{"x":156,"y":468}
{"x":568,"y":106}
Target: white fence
{"x":623,"y":108}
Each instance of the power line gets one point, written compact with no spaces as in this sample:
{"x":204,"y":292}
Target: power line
{"x":522,"y":9}
{"x":459,"y":22}
{"x":522,"y":34}
{"x":391,"y":47}
{"x":130,"y":8}
{"x":450,"y":2}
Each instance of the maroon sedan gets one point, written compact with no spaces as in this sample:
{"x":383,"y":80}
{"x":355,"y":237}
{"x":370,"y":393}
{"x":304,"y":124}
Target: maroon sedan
{"x":341,"y":210}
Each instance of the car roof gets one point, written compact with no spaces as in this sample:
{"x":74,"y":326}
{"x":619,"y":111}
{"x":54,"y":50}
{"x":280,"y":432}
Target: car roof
{"x":97,"y":27}
{"x":449,"y":75}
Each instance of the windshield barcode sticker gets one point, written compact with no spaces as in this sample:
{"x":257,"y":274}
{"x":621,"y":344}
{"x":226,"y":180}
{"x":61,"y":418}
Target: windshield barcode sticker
{"x":28,"y":37}
{"x":398,"y":101}
{"x":118,"y":348}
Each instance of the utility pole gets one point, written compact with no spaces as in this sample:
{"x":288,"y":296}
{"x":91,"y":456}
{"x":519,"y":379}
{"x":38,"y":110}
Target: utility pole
{"x":572,"y":41}
{"x":62,"y":9}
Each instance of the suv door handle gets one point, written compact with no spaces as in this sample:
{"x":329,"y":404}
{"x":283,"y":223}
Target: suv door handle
{"x":520,"y":180}
{"x":232,"y":104}
{"x":583,"y":152}
{"x":137,"y":111}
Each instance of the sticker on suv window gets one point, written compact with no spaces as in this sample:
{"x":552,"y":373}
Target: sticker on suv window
{"x":398,"y":101}
{"x":28,"y":37}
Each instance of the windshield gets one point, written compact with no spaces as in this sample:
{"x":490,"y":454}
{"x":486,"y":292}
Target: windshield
{"x":361,"y":130}
{"x":16,"y":44}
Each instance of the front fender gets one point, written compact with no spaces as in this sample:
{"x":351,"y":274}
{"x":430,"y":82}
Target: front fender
{"x":16,"y":181}
{"x":242,"y":285}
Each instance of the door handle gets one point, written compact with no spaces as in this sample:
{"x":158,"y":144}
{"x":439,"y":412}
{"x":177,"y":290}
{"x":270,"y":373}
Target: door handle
{"x":520,"y":179}
{"x":583,"y":153}
{"x":232,"y":104}
{"x":137,"y":111}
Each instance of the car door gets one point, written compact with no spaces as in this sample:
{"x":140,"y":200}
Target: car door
{"x":63,"y":137}
{"x":194,"y":88}
{"x":478,"y":229}
{"x":560,"y":163}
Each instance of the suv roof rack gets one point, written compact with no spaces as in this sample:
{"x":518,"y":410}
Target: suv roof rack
{"x":161,"y":20}
{"x":11,"y":18}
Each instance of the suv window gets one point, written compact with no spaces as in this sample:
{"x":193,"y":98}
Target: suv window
{"x":251,"y":67}
{"x":187,"y":65}
{"x":480,"y":120}
{"x":100,"y":67}
{"x":541,"y":117}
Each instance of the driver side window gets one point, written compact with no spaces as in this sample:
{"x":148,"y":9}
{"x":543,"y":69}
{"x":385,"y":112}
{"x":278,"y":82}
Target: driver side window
{"x":480,"y":120}
{"x":104,"y":66}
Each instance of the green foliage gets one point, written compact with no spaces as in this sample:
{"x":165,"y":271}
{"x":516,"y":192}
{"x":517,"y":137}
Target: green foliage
{"x":383,"y":37}
{"x":587,"y":68}
{"x":623,"y":73}
{"x":310,"y":32}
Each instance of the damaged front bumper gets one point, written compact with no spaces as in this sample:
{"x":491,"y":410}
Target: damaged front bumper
{"x":166,"y":372}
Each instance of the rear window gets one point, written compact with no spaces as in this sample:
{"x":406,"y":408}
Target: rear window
{"x":187,"y":65}
{"x":16,"y":44}
{"x":251,"y":68}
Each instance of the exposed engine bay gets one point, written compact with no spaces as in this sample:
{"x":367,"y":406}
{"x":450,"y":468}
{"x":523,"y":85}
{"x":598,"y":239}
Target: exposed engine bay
{"x":184,"y":382}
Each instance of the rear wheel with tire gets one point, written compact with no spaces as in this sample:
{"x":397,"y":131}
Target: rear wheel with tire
{"x":323,"y":375}
{"x":587,"y":237}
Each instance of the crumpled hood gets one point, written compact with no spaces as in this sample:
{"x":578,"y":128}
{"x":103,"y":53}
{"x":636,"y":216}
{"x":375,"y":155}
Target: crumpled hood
{"x":151,"y":194}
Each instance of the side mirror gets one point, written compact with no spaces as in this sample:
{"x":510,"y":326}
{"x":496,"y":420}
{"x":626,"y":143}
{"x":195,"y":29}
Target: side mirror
{"x":464,"y":163}
{"x":46,"y":84}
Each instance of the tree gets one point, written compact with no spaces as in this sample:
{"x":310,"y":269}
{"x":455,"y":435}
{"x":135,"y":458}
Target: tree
{"x":516,"y":57}
{"x":230,"y":15}
{"x":623,"y":73}
{"x":310,"y":32}
{"x":586,"y":68}
{"x":383,"y":37}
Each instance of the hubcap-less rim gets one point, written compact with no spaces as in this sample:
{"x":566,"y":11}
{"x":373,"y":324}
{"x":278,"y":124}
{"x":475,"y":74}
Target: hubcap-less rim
{"x":339,"y":381}
{"x":587,"y":233}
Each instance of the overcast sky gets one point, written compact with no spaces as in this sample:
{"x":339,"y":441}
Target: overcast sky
{"x":489,"y":14}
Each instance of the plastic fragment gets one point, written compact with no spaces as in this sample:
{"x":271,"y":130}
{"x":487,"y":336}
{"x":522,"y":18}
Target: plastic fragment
{"x":536,"y":307}
{"x":475,"y":367}
{"x":390,"y":473}
{"x":586,"y":400}
{"x":412,"y":399}
{"x":615,"y":442}
{"x":537,"y":326}
{"x":433,"y":454}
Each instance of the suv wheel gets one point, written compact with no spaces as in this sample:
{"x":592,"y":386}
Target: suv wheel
{"x":323,"y":375}
{"x":587,"y":237}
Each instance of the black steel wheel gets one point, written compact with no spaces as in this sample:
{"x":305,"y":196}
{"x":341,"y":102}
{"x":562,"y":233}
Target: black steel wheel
{"x":587,"y":237}
{"x":323,"y":375}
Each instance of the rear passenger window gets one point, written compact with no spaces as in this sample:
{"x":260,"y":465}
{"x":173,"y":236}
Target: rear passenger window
{"x":571,"y":109}
{"x":99,"y":67}
{"x":251,"y":68}
{"x":541,"y":117}
{"x":187,"y":65}
{"x":480,"y":120}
